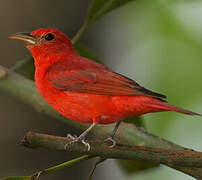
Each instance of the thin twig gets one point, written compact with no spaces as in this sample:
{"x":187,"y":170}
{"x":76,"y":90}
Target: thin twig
{"x":79,"y":33}
{"x":101,"y":11}
{"x":90,"y":20}
{"x":21,"y":63}
{"x":37,"y":175}
{"x":98,"y":161}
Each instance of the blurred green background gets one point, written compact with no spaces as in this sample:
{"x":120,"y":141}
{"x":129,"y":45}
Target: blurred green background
{"x":157,"y":43}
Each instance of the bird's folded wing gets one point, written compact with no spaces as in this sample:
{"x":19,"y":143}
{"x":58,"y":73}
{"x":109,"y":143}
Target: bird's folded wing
{"x":93,"y":81}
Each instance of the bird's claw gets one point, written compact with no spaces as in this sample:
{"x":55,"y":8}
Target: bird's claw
{"x":71,"y":136}
{"x":110,"y":139}
{"x":86,"y":144}
{"x":76,"y":139}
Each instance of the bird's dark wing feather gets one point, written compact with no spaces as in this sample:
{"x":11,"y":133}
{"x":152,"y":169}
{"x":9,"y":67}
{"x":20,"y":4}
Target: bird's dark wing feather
{"x":100,"y":82}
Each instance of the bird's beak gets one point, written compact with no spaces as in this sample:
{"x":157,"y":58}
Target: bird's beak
{"x":24,"y":37}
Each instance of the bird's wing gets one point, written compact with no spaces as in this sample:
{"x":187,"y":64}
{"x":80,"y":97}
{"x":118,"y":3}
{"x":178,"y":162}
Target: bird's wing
{"x":100,"y":82}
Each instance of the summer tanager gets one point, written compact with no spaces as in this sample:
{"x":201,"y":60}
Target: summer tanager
{"x":84,"y":90}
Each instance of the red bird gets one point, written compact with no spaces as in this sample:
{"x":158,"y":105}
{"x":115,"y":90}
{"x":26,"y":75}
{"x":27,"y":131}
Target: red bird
{"x":83,"y":90}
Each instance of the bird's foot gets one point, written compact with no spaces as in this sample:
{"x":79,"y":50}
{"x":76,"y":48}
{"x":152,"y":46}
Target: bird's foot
{"x":76,"y":139}
{"x":111,"y":140}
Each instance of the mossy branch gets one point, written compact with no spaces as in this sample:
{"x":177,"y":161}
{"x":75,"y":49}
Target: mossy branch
{"x":169,"y":157}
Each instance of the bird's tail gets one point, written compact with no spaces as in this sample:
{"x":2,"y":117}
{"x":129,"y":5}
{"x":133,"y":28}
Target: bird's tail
{"x":166,"y":107}
{"x":183,"y":111}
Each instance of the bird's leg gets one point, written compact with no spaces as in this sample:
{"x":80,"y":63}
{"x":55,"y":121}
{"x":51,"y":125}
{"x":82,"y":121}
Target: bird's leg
{"x":81,"y":137}
{"x":111,"y":137}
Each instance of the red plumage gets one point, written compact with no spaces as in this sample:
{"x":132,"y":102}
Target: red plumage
{"x":84,"y":90}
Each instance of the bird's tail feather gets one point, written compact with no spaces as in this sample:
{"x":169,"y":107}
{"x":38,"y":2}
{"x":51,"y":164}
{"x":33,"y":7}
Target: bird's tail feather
{"x":183,"y":111}
{"x":167,"y":107}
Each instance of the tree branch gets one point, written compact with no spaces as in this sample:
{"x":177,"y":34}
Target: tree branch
{"x":24,"y":89}
{"x":182,"y":158}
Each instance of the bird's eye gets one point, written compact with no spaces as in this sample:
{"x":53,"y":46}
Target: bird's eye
{"x":49,"y":37}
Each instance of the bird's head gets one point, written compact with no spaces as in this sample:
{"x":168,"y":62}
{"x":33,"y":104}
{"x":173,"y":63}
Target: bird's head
{"x":45,"y":43}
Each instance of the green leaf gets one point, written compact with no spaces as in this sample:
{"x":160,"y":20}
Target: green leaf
{"x":100,"y":7}
{"x":131,"y":167}
{"x":16,"y":178}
